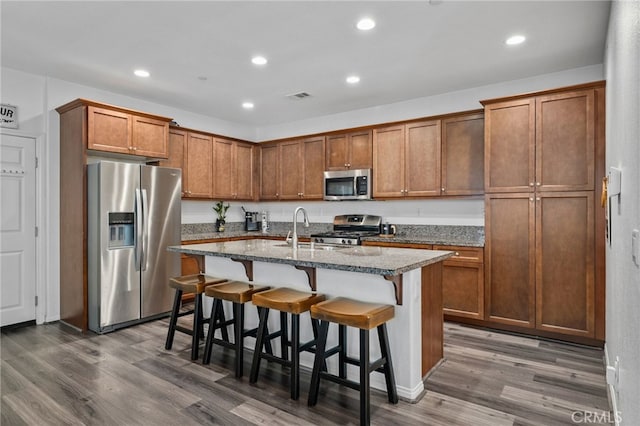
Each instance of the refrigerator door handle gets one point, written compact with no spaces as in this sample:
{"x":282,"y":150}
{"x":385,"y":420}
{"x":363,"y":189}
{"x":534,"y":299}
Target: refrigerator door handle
{"x":139,"y":211}
{"x":145,"y":231}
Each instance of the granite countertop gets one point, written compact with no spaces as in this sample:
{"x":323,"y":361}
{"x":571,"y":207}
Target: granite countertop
{"x":448,"y":235}
{"x":364,"y":259}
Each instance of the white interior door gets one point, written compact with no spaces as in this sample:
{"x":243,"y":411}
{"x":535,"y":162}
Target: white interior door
{"x":17,"y":229}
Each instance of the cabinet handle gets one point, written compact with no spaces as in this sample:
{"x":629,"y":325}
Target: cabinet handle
{"x":530,"y":198}
{"x":442,"y":189}
{"x":457,"y":254}
{"x":530,"y":183}
{"x":537,"y":198}
{"x":537,"y":183}
{"x":348,"y":164}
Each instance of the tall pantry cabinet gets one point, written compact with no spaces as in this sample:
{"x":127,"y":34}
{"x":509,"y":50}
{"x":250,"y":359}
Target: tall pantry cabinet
{"x":544,"y":247}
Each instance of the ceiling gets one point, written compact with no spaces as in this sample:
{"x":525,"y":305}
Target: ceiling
{"x":198,"y":53}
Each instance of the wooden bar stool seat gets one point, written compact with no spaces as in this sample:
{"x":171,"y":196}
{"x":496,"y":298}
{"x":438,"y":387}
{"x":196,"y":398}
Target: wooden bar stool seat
{"x":190,"y":284}
{"x":364,"y":316}
{"x":289,"y":302}
{"x":238,"y":293}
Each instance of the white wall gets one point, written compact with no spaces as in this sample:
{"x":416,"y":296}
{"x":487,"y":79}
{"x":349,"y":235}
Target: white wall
{"x":622,"y":61}
{"x":468,"y":212}
{"x":463,"y":100}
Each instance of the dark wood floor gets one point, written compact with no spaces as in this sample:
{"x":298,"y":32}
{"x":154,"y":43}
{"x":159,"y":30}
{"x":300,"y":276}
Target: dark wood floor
{"x":51,"y":376}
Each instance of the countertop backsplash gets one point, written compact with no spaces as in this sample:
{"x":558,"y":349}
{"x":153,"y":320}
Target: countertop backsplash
{"x":471,"y":236}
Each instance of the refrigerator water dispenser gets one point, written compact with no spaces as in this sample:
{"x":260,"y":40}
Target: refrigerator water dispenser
{"x":121,"y":230}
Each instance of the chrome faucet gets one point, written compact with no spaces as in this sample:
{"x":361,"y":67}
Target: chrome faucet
{"x":294,"y":240}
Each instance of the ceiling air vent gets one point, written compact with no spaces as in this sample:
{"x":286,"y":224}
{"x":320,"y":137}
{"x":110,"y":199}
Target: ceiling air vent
{"x":298,"y":96}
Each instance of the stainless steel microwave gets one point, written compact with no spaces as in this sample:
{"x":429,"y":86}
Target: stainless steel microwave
{"x":347,"y":185}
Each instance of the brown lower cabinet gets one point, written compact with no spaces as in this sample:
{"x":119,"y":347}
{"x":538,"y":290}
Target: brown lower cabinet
{"x":535,"y":275}
{"x":540,"y":263}
{"x":462,"y":279}
{"x":463,"y":282}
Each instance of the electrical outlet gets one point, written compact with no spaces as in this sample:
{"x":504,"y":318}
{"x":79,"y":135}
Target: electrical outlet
{"x":613,"y":373}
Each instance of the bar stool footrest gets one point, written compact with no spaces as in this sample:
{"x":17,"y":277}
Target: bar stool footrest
{"x":345,"y":382}
{"x":184,"y":330}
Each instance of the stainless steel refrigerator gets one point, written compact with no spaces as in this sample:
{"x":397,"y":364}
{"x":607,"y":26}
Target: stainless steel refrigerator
{"x":134,"y":213}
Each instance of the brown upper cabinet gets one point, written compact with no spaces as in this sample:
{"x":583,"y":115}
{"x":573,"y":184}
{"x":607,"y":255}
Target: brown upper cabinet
{"x":113,"y":130}
{"x":349,"y":151}
{"x":177,"y":148}
{"x":463,"y":155}
{"x":544,"y":232}
{"x":269,"y":171}
{"x":542,"y":143}
{"x":406,"y":160}
{"x":233,"y":169}
{"x":197,"y":173}
{"x":212,"y":167}
{"x":293,"y":170}
{"x":193,"y":153}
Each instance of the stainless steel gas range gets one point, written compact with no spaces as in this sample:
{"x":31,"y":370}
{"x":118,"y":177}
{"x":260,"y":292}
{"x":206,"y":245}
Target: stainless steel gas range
{"x":349,"y":229}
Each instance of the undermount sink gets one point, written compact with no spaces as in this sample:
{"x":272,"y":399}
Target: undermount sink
{"x":309,"y":246}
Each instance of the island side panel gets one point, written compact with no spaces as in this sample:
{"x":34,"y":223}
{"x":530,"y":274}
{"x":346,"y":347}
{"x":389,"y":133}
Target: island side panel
{"x":432,"y":317}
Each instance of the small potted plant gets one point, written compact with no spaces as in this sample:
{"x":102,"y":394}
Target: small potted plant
{"x":221,"y":209}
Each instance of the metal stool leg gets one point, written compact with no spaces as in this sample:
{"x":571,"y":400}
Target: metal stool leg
{"x":295,"y":356}
{"x":342,"y":354}
{"x":389,"y":376}
{"x":208,"y":347}
{"x":238,"y":322}
{"x":364,"y":378}
{"x":319,"y":360}
{"x":221,"y":320}
{"x":177,"y":301}
{"x":197,"y":327}
{"x":260,"y":335}
{"x":314,"y":326}
{"x":284,"y":338}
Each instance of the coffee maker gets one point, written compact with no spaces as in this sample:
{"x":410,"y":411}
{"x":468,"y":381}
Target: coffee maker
{"x":251,"y":222}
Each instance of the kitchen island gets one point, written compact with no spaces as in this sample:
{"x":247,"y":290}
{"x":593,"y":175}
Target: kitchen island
{"x":407,"y":278}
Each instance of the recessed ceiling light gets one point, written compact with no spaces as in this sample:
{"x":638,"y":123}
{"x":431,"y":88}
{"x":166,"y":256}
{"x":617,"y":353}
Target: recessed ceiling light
{"x":142,"y":73}
{"x":366,"y":24}
{"x":353,"y":79}
{"x":247,"y":105}
{"x":516,"y":39}
{"x":259,"y":60}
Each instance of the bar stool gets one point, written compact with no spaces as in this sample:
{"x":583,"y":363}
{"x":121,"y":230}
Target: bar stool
{"x":287,"y":301}
{"x":365,"y":316}
{"x":238,"y":293}
{"x":195,"y":284}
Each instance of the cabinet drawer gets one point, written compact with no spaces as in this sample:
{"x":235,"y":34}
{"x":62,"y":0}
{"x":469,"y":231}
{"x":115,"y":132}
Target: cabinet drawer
{"x":466,"y":254}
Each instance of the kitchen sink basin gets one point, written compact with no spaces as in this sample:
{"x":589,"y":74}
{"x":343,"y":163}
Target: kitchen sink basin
{"x":309,"y":246}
